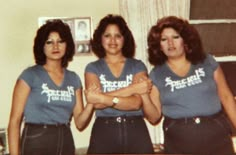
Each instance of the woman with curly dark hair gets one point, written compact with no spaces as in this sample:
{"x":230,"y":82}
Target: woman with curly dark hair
{"x":46,"y":96}
{"x":112,"y":88}
{"x":190,"y":89}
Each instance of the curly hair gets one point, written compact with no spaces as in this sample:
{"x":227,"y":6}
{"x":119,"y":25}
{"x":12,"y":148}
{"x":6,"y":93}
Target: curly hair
{"x":43,"y":32}
{"x":128,"y":50}
{"x":194,"y":50}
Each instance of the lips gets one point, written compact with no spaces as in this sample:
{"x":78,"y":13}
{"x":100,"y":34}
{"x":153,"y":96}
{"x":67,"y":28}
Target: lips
{"x":55,"y":52}
{"x":112,"y":46}
{"x":171,"y":49}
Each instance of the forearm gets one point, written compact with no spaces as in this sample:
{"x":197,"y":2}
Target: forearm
{"x":230,"y":109}
{"x":123,"y":92}
{"x":14,"y":138}
{"x":100,"y":106}
{"x":133,"y":102}
{"x":139,"y":88}
{"x":103,"y":100}
{"x":151,"y":112}
{"x":83,"y":119}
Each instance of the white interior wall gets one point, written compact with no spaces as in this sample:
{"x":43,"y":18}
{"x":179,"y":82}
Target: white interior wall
{"x":19,"y":23}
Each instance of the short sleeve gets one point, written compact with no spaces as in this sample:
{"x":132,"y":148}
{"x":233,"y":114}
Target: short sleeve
{"x":213,"y":63}
{"x":153,"y":77}
{"x":90,"y":68}
{"x":77,"y":81}
{"x":27,"y":76}
{"x":140,"y":66}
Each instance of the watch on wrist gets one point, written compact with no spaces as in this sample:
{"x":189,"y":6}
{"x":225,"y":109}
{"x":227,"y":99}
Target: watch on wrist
{"x":115,"y":101}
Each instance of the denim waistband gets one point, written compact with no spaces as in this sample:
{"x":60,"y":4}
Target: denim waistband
{"x":47,"y":125}
{"x":120,"y":119}
{"x":195,"y":119}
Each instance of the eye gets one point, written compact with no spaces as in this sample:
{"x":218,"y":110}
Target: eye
{"x":118,"y":36}
{"x":61,"y":41}
{"x":48,"y":42}
{"x":106,"y":35}
{"x":163,"y":39}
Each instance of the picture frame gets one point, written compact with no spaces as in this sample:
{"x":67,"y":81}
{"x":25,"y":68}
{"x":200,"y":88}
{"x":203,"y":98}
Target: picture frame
{"x":81,"y":29}
{"x":4,"y":149}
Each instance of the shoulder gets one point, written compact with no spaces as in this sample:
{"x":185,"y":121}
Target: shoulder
{"x":211,"y":61}
{"x":73,"y":77}
{"x":71,"y":74}
{"x":157,"y":71}
{"x":134,"y":61}
{"x":96,"y":62}
{"x":31,"y":69}
{"x":131,"y":62}
{"x":29,"y":74}
{"x":135,"y":65}
{"x":93,"y":66}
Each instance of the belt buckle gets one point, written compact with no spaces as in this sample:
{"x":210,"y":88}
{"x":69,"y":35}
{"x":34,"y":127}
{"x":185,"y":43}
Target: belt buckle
{"x":118,"y":119}
{"x":197,"y":120}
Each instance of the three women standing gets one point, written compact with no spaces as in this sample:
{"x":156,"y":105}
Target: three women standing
{"x":189,"y":89}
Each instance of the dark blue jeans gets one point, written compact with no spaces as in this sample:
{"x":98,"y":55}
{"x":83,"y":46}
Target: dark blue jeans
{"x":207,"y":136}
{"x":121,"y":135}
{"x":47,"y":140}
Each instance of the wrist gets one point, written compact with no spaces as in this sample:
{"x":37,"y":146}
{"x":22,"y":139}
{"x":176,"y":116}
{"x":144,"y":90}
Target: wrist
{"x":101,"y":99}
{"x":133,"y":89}
{"x":115,"y":101}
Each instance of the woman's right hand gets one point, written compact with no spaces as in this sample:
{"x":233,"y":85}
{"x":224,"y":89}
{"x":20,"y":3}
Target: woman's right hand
{"x":142,"y":86}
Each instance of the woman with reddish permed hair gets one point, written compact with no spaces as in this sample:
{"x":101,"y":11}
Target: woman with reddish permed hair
{"x":190,"y":90}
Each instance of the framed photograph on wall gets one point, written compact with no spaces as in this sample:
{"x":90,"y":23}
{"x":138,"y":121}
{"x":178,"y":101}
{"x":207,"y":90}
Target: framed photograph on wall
{"x":81,"y":29}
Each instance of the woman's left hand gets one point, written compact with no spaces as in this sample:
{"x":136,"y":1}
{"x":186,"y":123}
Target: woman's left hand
{"x":93,"y":94}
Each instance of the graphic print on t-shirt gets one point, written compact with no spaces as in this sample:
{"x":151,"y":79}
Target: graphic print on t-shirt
{"x":110,"y":85}
{"x":58,"y":95}
{"x":185,"y":82}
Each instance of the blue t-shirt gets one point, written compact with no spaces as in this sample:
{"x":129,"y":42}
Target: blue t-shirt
{"x":49,"y":103}
{"x":110,"y":83}
{"x":192,"y":95}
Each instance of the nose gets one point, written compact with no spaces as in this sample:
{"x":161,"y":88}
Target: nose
{"x":55,"y":45}
{"x":113,"y":39}
{"x":170,"y":41}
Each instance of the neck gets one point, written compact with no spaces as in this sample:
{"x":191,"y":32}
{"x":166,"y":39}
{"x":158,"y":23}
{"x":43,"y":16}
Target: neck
{"x":178,"y":62}
{"x":114,"y":59}
{"x":53,"y":67}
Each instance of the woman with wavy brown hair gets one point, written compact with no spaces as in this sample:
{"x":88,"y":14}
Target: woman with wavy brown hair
{"x":190,"y":90}
{"x":111,"y":87}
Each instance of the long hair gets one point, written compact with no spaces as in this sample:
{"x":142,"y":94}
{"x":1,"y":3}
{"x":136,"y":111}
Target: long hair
{"x":193,"y":45}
